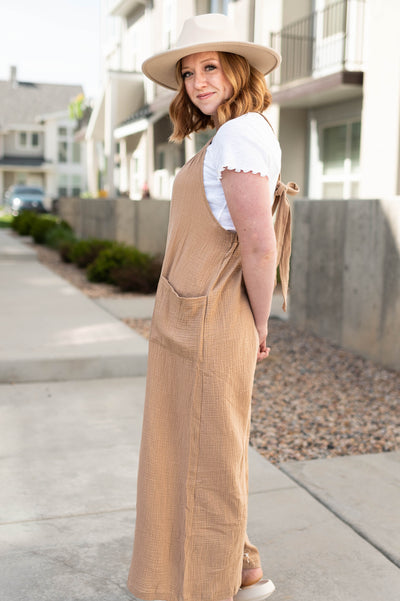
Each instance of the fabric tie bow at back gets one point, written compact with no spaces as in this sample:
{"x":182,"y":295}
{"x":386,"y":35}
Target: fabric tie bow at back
{"x":282,"y":227}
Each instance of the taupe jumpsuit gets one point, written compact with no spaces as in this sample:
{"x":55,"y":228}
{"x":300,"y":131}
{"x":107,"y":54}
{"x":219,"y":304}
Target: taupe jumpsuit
{"x":190,"y":536}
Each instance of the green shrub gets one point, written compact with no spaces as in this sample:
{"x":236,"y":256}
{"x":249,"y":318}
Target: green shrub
{"x":41,"y":228}
{"x":24,"y":222}
{"x":58,"y":235}
{"x":84,"y":252}
{"x":132,"y":278}
{"x":65,"y":225}
{"x":65,"y":248}
{"x":116,"y":256}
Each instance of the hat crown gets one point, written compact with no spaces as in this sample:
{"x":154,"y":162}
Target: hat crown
{"x":212,"y":33}
{"x":204,"y":29}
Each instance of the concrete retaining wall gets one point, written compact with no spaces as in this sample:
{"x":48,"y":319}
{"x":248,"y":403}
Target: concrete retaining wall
{"x":345,"y":279}
{"x":142,"y":223}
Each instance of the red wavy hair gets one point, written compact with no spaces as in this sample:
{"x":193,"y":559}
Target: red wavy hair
{"x":250,"y":94}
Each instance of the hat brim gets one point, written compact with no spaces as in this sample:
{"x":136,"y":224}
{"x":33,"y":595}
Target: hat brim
{"x":161,"y":67}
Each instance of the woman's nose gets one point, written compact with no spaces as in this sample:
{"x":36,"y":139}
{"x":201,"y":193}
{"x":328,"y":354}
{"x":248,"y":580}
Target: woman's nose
{"x":199,"y":80}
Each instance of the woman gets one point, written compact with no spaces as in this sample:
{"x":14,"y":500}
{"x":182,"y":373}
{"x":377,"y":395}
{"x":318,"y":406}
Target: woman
{"x":209,"y":325}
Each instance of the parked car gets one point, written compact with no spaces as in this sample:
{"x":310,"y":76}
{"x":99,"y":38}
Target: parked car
{"x":25,"y":198}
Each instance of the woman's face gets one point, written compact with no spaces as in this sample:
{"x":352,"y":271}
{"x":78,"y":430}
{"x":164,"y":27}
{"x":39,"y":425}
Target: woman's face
{"x":205,"y":82}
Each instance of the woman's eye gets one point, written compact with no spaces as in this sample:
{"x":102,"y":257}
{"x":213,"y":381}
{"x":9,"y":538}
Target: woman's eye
{"x":186,"y":74}
{"x":210,"y":67}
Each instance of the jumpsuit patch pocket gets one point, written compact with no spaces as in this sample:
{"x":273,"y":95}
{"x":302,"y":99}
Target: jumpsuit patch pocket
{"x":178,"y":321}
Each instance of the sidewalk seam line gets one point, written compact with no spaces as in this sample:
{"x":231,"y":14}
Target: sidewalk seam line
{"x":266,"y":491}
{"x":67,"y":516}
{"x":334,"y":512}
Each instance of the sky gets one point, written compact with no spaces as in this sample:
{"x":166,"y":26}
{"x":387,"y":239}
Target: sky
{"x":52,"y":41}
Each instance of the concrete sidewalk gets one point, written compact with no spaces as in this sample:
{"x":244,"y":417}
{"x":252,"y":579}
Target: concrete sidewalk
{"x":51,"y":331}
{"x":327,"y":530}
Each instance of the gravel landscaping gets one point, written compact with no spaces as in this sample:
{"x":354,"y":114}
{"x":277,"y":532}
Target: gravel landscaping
{"x":311,"y":398}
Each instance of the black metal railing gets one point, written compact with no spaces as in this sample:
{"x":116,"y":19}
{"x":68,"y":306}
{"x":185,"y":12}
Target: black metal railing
{"x":325,"y":40}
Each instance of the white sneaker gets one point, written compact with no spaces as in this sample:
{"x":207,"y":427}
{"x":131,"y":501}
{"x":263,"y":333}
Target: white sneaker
{"x":256,"y":592}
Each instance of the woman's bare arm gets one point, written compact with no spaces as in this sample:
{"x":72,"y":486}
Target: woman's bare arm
{"x":249,"y":202}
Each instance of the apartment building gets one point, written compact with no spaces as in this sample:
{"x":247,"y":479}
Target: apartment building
{"x":338,"y":91}
{"x":37,"y":144}
{"x":336,"y":96}
{"x":130,"y":121}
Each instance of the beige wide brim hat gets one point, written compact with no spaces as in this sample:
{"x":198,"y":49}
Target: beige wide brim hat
{"x":212,"y":32}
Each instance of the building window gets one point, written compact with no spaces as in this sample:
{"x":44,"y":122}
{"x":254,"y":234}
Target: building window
{"x":76,"y":185}
{"x":340,"y":160}
{"x":76,"y":152}
{"x":62,"y":132}
{"x":212,"y":6}
{"x":28,"y":140}
{"x":69,"y":185}
{"x":333,"y":149}
{"x":62,"y":152}
{"x":63,"y":185}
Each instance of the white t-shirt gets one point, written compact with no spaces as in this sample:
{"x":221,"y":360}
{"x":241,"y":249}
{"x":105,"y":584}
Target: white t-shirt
{"x":246,"y":143}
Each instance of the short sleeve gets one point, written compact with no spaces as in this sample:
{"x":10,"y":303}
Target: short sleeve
{"x":247,"y":144}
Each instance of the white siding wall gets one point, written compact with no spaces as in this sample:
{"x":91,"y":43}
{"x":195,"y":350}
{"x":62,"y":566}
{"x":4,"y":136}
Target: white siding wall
{"x":13,"y":147}
{"x":380,"y":135}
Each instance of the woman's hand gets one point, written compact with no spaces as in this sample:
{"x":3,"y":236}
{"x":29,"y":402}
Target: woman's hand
{"x":263,"y":349}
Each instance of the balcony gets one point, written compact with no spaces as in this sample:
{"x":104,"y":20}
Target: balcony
{"x":328,"y":44}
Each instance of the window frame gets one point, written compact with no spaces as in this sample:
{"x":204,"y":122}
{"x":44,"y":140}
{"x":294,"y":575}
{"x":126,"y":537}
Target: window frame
{"x":29,"y":137}
{"x":60,"y":160}
{"x":346,"y":175}
{"x":76,"y":154}
{"x":69,"y":184}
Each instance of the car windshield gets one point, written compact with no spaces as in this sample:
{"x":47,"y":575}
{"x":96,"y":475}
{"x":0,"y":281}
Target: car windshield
{"x":27,"y":190}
